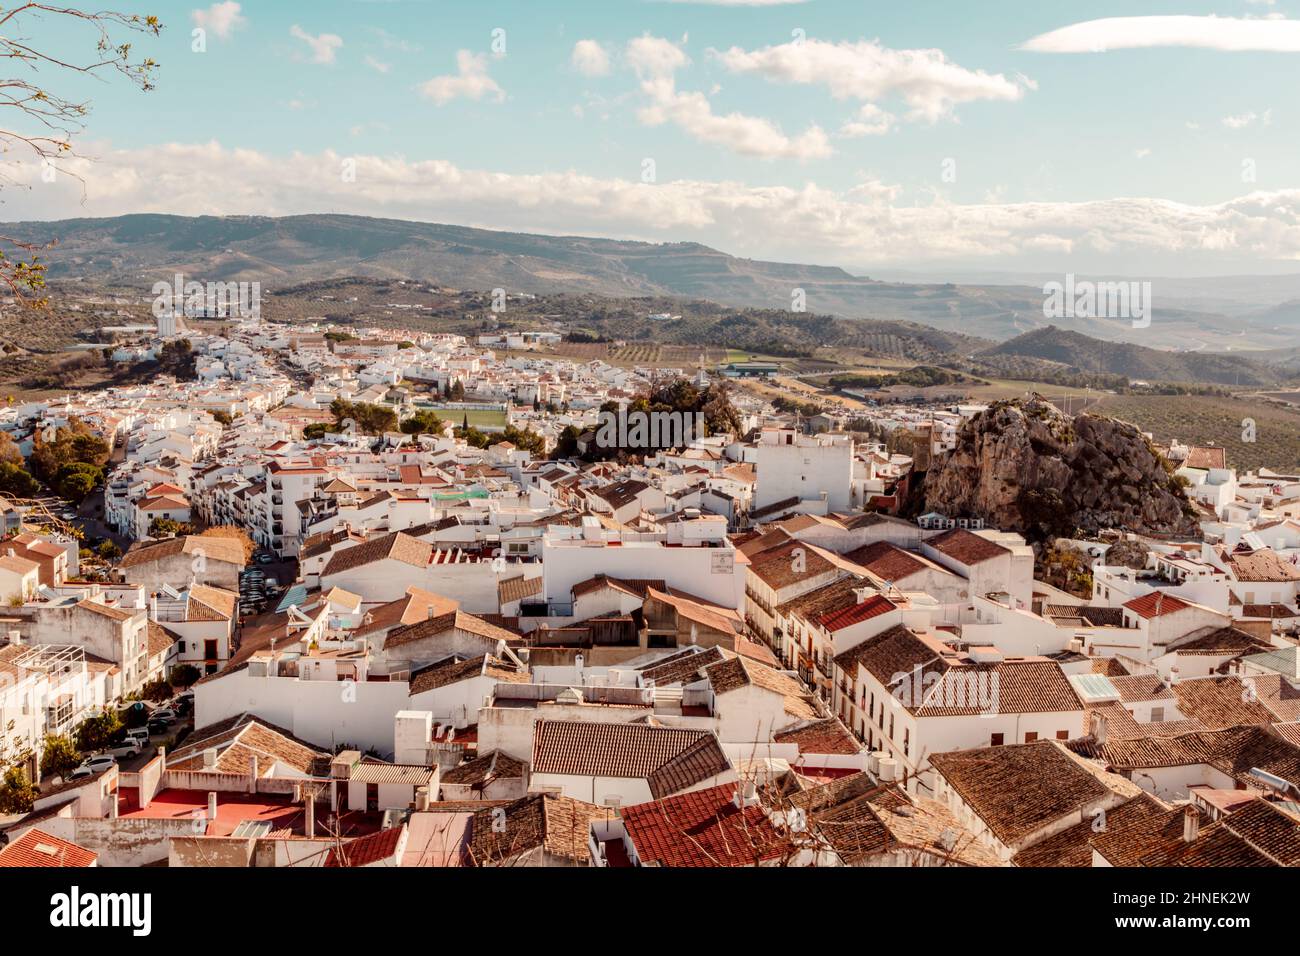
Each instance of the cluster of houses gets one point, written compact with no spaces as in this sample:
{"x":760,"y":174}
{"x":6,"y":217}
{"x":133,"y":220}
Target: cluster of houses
{"x":724,"y":654}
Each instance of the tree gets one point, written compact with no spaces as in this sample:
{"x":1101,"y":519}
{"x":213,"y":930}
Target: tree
{"x":423,"y":422}
{"x":14,"y":480}
{"x":76,"y":480}
{"x":156,"y":691}
{"x":59,"y":756}
{"x":9,"y":453}
{"x":366,"y":419}
{"x":185,"y":675}
{"x":177,"y":359}
{"x":16,"y":792}
{"x":108,"y":550}
{"x":167,"y":528}
{"x":54,"y":116}
{"x":96,"y":733}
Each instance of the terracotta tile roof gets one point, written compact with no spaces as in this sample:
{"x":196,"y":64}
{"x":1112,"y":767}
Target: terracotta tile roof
{"x":213,"y":547}
{"x":1020,"y":789}
{"x":237,"y":738}
{"x":1156,"y":604}
{"x":889,"y":561}
{"x":367,"y":850}
{"x":491,"y":766}
{"x":827,"y":736}
{"x":453,"y":671}
{"x":737,"y":672}
{"x":103,"y":610}
{"x":1084,"y":614}
{"x":38,"y":848}
{"x":447,"y":621}
{"x":1220,"y":702}
{"x":668,"y":758}
{"x":634,"y":587}
{"x":159,"y":639}
{"x":560,"y":825}
{"x":211,"y":604}
{"x":397,"y":546}
{"x":1203,"y":456}
{"x":1217,"y":640}
{"x":703,"y":828}
{"x":713,"y":616}
{"x":966,"y":546}
{"x":518,"y":588}
{"x":777,"y":567}
{"x":1073,"y":845}
{"x":1235,"y":751}
{"x":681,"y":668}
{"x":1141,"y":687}
{"x":411,"y":608}
{"x":874,"y":606}
{"x":1264,"y":565}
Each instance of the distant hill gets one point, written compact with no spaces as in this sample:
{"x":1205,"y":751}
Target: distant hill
{"x":1082,"y":353}
{"x":132,"y":250}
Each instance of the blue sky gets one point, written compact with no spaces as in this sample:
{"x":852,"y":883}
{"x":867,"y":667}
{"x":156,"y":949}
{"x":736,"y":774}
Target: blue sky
{"x":752,"y":133}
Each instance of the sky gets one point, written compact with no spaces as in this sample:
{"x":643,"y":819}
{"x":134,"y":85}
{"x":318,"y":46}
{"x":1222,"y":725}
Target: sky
{"x":1139,"y":137}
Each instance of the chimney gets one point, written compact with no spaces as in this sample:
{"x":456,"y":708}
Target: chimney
{"x":421,"y":799}
{"x":1098,"y":728}
{"x":212,"y":805}
{"x":309,"y":811}
{"x":210,"y":758}
{"x":888,"y":772}
{"x":746,"y":795}
{"x":252,"y":773}
{"x":1191,"y":824}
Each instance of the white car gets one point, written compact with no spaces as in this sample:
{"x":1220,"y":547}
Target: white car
{"x":93,"y":765}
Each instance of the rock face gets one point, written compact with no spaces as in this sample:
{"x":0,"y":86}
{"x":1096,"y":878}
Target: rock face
{"x":1025,"y":466}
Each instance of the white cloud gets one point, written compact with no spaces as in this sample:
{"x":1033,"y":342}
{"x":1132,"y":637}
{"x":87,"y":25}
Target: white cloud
{"x":220,"y":18}
{"x":1250,"y":118}
{"x":323,"y":47}
{"x":1142,"y":153}
{"x":470,"y":81}
{"x":926,"y":80}
{"x":867,"y":223}
{"x":656,"y":62}
{"x":870,"y":121}
{"x":589,"y":58}
{"x":1209,"y":33}
{"x":379,"y":66}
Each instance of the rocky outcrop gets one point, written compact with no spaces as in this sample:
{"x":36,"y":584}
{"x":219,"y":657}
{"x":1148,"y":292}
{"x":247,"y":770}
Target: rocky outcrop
{"x":1025,"y":466}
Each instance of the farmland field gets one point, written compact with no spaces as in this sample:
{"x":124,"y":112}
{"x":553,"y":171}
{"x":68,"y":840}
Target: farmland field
{"x":1204,"y":420}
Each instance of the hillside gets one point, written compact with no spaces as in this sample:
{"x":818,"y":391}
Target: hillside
{"x":139,"y":249}
{"x":1081,"y":353}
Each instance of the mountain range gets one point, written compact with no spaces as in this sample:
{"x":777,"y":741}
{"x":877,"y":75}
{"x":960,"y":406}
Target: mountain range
{"x":138,"y":250}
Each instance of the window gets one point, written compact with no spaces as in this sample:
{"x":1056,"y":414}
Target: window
{"x":1062,"y":735}
{"x":1030,"y":736}
{"x":1157,"y":715}
{"x":891,"y":726}
{"x":996,"y":740}
{"x":907,"y":741}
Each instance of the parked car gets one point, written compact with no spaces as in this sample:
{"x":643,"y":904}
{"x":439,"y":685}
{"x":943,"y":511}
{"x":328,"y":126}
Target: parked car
{"x":93,"y":765}
{"x":159,"y":727}
{"x":164,"y":714}
{"x":140,"y":734}
{"x":129,"y":747}
{"x":265,"y":559}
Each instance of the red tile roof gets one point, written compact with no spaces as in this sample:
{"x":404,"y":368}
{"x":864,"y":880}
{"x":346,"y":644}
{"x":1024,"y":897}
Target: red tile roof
{"x":703,"y":828}
{"x":38,"y":848}
{"x":873,"y":606}
{"x":1156,"y":604}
